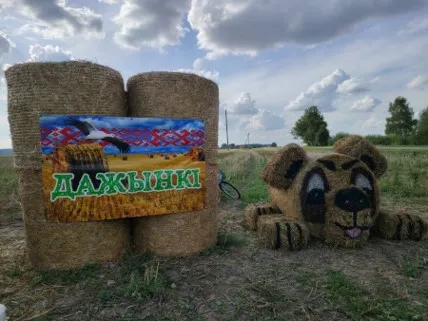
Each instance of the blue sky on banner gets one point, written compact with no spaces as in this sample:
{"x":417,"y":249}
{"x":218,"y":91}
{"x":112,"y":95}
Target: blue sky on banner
{"x":101,"y":122}
{"x":124,"y":122}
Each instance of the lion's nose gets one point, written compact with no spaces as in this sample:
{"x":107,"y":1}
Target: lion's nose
{"x":352,"y":200}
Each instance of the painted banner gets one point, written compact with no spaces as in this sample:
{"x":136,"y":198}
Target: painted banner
{"x":102,"y":168}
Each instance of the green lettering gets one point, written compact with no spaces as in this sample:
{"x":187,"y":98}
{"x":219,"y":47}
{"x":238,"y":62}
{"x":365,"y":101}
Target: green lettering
{"x":85,"y":187}
{"x":111,"y":183}
{"x":196,"y":183}
{"x":147,"y":180}
{"x":63,"y":187}
{"x":182,"y":178}
{"x":163,"y":183}
{"x":135,"y":184}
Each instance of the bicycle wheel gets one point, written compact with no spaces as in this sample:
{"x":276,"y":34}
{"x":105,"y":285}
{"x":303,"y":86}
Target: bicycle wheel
{"x":230,"y":190}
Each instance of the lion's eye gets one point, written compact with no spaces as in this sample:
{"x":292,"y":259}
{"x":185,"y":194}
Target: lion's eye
{"x":363,"y":181}
{"x":315,"y":190}
{"x":315,"y":182}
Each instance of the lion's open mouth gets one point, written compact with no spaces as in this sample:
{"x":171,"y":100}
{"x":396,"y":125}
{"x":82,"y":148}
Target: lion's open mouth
{"x":352,"y":232}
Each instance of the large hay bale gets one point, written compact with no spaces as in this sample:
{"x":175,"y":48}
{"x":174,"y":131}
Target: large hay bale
{"x":67,"y":88}
{"x":179,"y":95}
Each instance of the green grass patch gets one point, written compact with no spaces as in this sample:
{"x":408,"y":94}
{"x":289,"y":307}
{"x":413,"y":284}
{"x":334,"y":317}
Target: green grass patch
{"x":225,"y":241}
{"x":243,"y":171}
{"x":358,"y":304}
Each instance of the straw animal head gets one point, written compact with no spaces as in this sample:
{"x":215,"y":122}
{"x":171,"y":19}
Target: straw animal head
{"x":336,"y":194}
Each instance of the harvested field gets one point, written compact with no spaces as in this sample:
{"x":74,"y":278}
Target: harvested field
{"x":237,"y":279}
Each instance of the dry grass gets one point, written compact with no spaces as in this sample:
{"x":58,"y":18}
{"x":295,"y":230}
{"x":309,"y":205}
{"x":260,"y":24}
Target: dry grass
{"x":237,"y":279}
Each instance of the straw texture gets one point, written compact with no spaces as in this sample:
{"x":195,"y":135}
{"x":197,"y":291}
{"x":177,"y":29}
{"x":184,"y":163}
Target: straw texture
{"x":179,"y":95}
{"x":76,"y":88}
{"x":358,"y":147}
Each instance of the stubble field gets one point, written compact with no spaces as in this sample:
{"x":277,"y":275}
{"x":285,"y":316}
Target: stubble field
{"x":237,"y":279}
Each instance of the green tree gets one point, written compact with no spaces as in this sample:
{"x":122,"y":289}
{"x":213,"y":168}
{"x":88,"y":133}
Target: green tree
{"x":273,"y":145}
{"x":312,"y":128}
{"x":401,"y":122}
{"x":421,"y":132}
{"x":339,"y":135}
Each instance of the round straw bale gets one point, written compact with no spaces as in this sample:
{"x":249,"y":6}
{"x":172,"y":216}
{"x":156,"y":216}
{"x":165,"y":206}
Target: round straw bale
{"x":358,"y":147}
{"x":65,"y":88}
{"x":179,"y":95}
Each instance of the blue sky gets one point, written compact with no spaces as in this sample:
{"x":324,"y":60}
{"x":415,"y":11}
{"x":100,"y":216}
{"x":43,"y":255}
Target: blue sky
{"x":101,"y":122}
{"x":271,"y":59}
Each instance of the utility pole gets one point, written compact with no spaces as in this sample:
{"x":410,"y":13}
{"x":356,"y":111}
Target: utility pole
{"x":247,"y":140}
{"x":227,"y":132}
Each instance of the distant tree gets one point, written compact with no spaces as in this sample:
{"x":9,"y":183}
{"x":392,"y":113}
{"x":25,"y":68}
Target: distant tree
{"x":232,"y":146}
{"x":273,"y":145}
{"x":312,"y":128}
{"x":401,"y":122}
{"x":223,"y":146}
{"x":421,"y":132}
{"x":339,"y":135}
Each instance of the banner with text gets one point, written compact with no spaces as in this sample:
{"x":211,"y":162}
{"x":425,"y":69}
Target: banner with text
{"x":101,"y":168}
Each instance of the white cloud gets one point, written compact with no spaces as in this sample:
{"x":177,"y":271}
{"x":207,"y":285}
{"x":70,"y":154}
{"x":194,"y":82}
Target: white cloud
{"x":374,"y":122}
{"x":213,"y":75}
{"x":321,"y":94}
{"x":415,"y":26}
{"x":6,"y":67}
{"x":264,"y":121}
{"x":49,"y":53}
{"x":5,"y":44}
{"x":6,"y":4}
{"x":243,"y":105}
{"x":53,"y":19}
{"x":351,"y":86}
{"x":246,"y":27}
{"x":3,"y":85}
{"x":365,"y":104}
{"x":111,"y":2}
{"x":374,"y":80}
{"x":418,"y":82}
{"x":147,"y":23}
{"x":198,"y":64}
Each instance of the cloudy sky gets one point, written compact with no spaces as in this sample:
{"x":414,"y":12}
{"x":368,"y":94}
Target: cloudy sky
{"x":270,"y":58}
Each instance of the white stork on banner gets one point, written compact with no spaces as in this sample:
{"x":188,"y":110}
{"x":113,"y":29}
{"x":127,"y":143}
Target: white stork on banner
{"x":92,"y":133}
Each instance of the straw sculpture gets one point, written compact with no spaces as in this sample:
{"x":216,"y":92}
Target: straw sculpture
{"x":333,"y":197}
{"x":179,"y":95}
{"x":66,"y":88}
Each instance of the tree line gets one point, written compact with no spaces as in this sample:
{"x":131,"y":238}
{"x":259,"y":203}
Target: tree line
{"x":402,"y":128}
{"x":237,"y":146}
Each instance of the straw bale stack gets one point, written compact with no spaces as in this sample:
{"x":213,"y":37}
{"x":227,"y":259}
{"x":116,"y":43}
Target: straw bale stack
{"x":179,"y":95}
{"x":73,"y":88}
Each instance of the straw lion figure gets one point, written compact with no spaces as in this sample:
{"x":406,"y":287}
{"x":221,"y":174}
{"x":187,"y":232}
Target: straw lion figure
{"x":333,"y":197}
